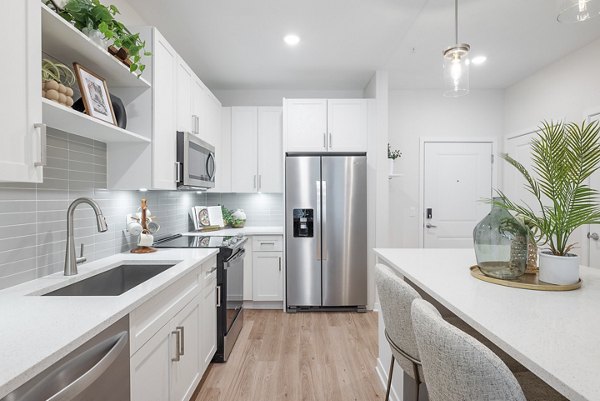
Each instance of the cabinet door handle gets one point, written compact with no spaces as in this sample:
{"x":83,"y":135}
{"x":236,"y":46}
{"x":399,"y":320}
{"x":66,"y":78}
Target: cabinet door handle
{"x":330,"y":140}
{"x":218,"y":296}
{"x":259,"y":182}
{"x":254,"y":181}
{"x":324,"y":140}
{"x":42,"y":129}
{"x":177,"y":346}
{"x":280,"y":263}
{"x":181,"y":329}
{"x":177,"y":172}
{"x":267,"y":243}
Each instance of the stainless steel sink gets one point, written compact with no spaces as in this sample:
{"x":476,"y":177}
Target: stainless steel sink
{"x":113,"y":282}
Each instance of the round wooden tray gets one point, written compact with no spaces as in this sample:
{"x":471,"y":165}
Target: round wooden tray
{"x":526,"y":281}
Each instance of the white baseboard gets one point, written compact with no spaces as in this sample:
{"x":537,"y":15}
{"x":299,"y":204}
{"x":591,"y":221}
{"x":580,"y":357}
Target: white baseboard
{"x":383,"y":377}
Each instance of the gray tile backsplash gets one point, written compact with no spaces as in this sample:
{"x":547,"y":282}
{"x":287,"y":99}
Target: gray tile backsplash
{"x":261,"y":209}
{"x":33,"y":217}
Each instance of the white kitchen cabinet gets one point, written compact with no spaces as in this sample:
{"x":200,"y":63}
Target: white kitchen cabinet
{"x":185,"y":100}
{"x":150,"y":368}
{"x":256,"y":149}
{"x":208,"y":317}
{"x":23,"y":149}
{"x":223,"y":153}
{"x":270,"y":149}
{"x":305,"y":125}
{"x":185,"y":361}
{"x":267,"y":276}
{"x":321,"y":125}
{"x":244,"y":149}
{"x":347,"y":125}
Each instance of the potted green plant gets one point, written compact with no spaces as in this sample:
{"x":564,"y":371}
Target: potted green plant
{"x":564,"y":156}
{"x":57,"y":80}
{"x":98,"y":22}
{"x":392,"y":156}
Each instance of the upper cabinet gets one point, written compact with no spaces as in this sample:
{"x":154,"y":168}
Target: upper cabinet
{"x":23,"y":150}
{"x":321,"y":125}
{"x":256,"y":149}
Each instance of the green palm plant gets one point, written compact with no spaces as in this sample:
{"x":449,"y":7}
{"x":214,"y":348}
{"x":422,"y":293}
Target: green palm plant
{"x":564,"y":157}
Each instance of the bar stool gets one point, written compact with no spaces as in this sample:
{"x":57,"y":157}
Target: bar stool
{"x":396,"y":297}
{"x":456,"y":366}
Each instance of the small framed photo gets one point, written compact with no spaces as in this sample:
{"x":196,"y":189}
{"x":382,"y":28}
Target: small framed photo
{"x":95,"y":95}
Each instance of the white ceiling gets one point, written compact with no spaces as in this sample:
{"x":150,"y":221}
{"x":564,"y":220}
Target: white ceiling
{"x":237,"y":44}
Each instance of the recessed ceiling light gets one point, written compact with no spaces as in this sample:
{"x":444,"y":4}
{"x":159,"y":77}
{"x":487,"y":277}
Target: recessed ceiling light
{"x":479,"y":60}
{"x":291,"y":40}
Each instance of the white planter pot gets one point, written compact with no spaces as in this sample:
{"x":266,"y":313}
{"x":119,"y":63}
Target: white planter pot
{"x":559,"y":269}
{"x":391,"y":166}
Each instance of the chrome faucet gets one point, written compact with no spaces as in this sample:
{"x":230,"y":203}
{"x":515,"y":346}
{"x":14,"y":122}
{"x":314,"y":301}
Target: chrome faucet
{"x":71,"y":260}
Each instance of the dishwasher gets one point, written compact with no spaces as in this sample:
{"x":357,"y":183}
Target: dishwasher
{"x":96,"y":371}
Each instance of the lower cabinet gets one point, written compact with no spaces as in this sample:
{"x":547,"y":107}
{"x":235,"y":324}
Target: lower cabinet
{"x":268,"y":276}
{"x":173,"y":338}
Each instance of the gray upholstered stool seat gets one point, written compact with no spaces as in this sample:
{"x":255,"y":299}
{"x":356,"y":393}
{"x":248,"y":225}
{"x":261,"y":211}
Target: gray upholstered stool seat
{"x":396,"y":297}
{"x":456,"y":366}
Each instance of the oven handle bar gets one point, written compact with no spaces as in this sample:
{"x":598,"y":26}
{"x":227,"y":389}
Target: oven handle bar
{"x":240,"y":254}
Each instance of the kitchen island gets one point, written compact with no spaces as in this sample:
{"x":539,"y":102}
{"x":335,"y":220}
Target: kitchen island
{"x":556,"y":335}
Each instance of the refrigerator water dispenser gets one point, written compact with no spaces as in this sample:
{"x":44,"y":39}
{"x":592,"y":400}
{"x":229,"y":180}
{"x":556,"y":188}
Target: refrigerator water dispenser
{"x":303,"y":223}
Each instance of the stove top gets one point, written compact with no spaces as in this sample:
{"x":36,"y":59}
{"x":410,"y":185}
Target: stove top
{"x":192,"y":241}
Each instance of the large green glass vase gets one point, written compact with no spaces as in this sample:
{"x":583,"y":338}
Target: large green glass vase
{"x":500,"y":243}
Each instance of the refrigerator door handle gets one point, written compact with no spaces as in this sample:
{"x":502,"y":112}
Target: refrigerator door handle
{"x":324,"y":219}
{"x":318,"y":219}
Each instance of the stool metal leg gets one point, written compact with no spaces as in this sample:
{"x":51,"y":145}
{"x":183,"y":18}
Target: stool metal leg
{"x":389,"y":383}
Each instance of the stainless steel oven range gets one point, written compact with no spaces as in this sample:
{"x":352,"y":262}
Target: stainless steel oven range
{"x":230,"y":283}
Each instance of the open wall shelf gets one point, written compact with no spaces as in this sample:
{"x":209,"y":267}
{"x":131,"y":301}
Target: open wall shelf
{"x":64,"y":42}
{"x":66,"y":119}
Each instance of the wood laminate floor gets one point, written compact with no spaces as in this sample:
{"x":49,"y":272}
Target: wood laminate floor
{"x":299,"y":357}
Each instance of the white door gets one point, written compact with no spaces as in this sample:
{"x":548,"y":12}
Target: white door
{"x":23,"y":137}
{"x":305,"y":125}
{"x":208,"y":317}
{"x":270,"y":149}
{"x":184,"y":97}
{"x":267,"y":276}
{"x":164,"y":141}
{"x":244,"y":161}
{"x":223,"y":152}
{"x":185,"y":372}
{"x":347,"y":125}
{"x":593,"y":239}
{"x":198,"y":108}
{"x":457,"y":176}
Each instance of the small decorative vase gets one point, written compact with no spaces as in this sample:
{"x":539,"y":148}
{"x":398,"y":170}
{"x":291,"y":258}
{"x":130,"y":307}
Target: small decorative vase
{"x":391,"y":166}
{"x":500,"y":242}
{"x":561,"y":270}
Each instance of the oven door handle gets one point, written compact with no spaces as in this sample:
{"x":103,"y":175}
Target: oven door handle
{"x":235,"y":258}
{"x":89,"y":377}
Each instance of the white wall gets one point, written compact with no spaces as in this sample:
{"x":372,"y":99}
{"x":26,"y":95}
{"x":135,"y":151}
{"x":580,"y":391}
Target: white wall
{"x":426,"y":113}
{"x":266,"y":97}
{"x":564,"y":89}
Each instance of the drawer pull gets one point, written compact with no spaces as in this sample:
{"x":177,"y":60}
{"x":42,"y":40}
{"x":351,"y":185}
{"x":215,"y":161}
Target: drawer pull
{"x":211,"y":270}
{"x":177,"y":346}
{"x":267,"y":243}
{"x":182,"y":330}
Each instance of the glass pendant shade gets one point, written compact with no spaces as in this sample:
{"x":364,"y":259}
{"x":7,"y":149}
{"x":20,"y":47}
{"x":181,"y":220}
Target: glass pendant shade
{"x":577,"y":10}
{"x":456,"y":70}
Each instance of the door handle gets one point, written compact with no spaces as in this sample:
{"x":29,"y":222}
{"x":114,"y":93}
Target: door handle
{"x":429,"y":225}
{"x":324,"y":218}
{"x":259,"y":182}
{"x":330,"y":140}
{"x":181,"y":329}
{"x":177,"y":357}
{"x":42,"y":128}
{"x":593,"y":236}
{"x":254,"y":181}
{"x":218,"y":296}
{"x":324,"y":140}
{"x":318,"y":228}
{"x":177,"y":172}
{"x":280,"y":263}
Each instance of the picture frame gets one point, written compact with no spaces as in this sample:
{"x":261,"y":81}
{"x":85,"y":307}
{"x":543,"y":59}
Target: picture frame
{"x":95,"y":94}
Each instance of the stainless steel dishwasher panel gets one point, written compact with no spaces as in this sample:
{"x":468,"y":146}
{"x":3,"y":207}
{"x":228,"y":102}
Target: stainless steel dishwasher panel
{"x":96,"y":371}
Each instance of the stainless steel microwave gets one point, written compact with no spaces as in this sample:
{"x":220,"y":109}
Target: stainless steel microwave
{"x":195,"y":162}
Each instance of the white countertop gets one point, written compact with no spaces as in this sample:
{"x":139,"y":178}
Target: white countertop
{"x":248,"y":230}
{"x":38,"y":331}
{"x":554,"y":334}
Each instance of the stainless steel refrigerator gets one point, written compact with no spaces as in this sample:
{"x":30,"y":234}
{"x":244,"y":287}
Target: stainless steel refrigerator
{"x":326,"y":231}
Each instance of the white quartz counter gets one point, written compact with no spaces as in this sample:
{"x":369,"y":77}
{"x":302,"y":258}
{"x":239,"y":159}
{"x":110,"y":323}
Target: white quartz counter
{"x":554,"y":334}
{"x":37,"y":331}
{"x":249,"y":230}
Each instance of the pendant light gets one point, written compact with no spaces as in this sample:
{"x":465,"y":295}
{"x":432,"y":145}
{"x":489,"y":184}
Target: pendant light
{"x":577,"y":10}
{"x":456,"y":64}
